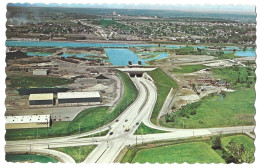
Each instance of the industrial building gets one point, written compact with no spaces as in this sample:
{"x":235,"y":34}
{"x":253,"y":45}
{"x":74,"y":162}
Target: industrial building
{"x":41,"y":99}
{"x":79,"y":98}
{"x":33,"y":121}
{"x":42,"y":72}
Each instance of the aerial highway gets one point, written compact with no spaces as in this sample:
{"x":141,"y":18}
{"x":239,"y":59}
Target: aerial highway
{"x":121,"y":132}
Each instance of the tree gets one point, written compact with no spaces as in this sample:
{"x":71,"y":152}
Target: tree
{"x":238,"y":153}
{"x":217,"y":142}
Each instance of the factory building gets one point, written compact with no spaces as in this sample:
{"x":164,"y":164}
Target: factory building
{"x":33,"y":121}
{"x":41,"y":72}
{"x":79,"y":98}
{"x":41,"y":99}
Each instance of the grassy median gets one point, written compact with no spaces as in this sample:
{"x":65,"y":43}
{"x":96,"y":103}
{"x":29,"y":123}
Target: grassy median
{"x":164,"y":83}
{"x":85,"y":121}
{"x":78,"y":153}
{"x":143,"y":130}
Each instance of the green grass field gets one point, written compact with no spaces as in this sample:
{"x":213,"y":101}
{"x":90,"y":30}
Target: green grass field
{"x":78,"y":153}
{"x":143,"y":129}
{"x":239,"y":77}
{"x":164,"y":83}
{"x":240,"y":139}
{"x":236,"y":109}
{"x":36,"y":81}
{"x":87,"y":120}
{"x":185,"y":152}
{"x":29,"y":158}
{"x":189,"y":68}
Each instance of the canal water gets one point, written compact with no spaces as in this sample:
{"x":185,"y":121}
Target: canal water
{"x":118,"y":53}
{"x":120,"y":56}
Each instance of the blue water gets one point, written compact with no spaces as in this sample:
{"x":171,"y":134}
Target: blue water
{"x":172,"y":46}
{"x":63,"y":55}
{"x":122,"y":56}
{"x":69,"y":44}
{"x":231,"y":48}
{"x":245,"y":53}
{"x":38,"y":54}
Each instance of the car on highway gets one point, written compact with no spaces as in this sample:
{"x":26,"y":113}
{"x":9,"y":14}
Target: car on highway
{"x":127,"y":129}
{"x":126,"y":120}
{"x":137,"y":123}
{"x":111,"y":133}
{"x":117,"y":120}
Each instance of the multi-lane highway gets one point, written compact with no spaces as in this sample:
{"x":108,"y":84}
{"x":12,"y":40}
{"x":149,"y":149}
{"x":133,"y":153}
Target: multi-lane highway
{"x":109,"y":146}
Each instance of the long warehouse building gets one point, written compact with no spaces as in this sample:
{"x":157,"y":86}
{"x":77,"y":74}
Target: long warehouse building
{"x":32,"y":121}
{"x":41,"y":99}
{"x":79,"y":98}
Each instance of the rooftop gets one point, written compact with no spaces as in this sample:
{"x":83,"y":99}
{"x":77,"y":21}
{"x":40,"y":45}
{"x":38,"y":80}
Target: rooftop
{"x":41,"y":96}
{"x":27,"y":119}
{"x":73,"y":95}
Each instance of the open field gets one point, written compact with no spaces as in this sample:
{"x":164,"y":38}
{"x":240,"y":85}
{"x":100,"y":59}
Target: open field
{"x":29,"y":158}
{"x":189,"y":68}
{"x":185,"y":152}
{"x":78,"y":153}
{"x":239,"y":77}
{"x":36,"y":81}
{"x":240,"y":139}
{"x":235,"y":109}
{"x":87,"y":120}
{"x":143,"y":129}
{"x":164,"y":83}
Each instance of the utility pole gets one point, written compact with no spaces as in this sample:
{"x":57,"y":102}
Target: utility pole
{"x":183,"y":122}
{"x":136,"y":142}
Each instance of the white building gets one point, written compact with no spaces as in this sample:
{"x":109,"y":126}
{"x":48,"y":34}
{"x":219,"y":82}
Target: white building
{"x":82,"y":98}
{"x":32,"y":121}
{"x":43,"y":72}
{"x":41,"y":99}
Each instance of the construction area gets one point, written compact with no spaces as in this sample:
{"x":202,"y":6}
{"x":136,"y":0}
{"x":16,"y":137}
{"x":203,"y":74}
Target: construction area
{"x":41,"y":85}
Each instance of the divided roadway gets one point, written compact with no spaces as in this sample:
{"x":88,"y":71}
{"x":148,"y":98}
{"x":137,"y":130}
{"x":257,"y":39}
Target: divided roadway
{"x":109,"y":146}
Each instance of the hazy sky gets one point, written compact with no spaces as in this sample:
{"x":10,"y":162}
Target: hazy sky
{"x":212,"y":8}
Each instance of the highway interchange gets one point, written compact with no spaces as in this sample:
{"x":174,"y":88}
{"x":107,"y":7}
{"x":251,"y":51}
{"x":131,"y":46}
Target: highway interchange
{"x":109,"y":146}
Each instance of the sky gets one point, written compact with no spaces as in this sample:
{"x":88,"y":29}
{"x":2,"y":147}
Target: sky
{"x":183,"y":7}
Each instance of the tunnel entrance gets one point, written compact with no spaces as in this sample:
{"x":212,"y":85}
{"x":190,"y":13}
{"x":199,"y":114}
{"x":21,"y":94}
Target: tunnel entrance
{"x":136,"y":74}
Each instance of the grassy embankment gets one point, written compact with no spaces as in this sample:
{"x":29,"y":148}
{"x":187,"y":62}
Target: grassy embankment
{"x":164,"y":83}
{"x":87,"y":120}
{"x":29,"y":158}
{"x":78,"y":153}
{"x":143,"y":129}
{"x":234,"y":109}
{"x":189,"y":68}
{"x":187,"y":150}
